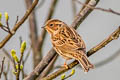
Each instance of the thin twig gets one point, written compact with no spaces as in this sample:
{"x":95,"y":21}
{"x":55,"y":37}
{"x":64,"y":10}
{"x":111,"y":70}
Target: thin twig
{"x":98,"y":8}
{"x":5,"y":73}
{"x":86,"y":2}
{"x":4,"y":28}
{"x":6,"y":39}
{"x":16,"y":20}
{"x":83,"y":14}
{"x":9,"y":57}
{"x":40,"y":4}
{"x":20,"y":39}
{"x":8,"y":28}
{"x":2,"y":67}
{"x":113,"y":36}
{"x":28,"y":53}
{"x":18,"y":70}
{"x":74,"y":9}
{"x":23,"y":63}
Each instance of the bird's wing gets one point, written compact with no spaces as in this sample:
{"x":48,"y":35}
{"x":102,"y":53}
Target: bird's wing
{"x":69,"y":40}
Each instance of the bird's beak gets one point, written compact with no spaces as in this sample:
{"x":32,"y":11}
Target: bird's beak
{"x":43,"y":27}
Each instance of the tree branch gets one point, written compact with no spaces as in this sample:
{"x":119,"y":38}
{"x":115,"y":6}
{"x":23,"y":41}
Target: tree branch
{"x":113,"y":36}
{"x":17,"y":25}
{"x":5,"y":73}
{"x":18,"y":70}
{"x":74,"y":8}
{"x":33,"y":34}
{"x":42,"y":65}
{"x":9,"y":57}
{"x":98,"y":8}
{"x":48,"y":68}
{"x":2,"y":67}
{"x":83,"y":14}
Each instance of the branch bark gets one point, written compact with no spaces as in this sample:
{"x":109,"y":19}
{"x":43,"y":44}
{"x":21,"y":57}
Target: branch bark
{"x":2,"y":67}
{"x":48,"y":68}
{"x":42,"y":65}
{"x":10,"y":58}
{"x":33,"y":34}
{"x":83,"y":13}
{"x":98,"y":8}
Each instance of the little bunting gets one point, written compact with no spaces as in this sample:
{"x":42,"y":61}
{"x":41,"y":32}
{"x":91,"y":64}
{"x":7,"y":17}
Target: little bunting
{"x":68,"y":43}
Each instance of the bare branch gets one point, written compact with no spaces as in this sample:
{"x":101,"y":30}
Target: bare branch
{"x":5,"y":73}
{"x":98,"y":8}
{"x":33,"y":33}
{"x":83,"y":14}
{"x":16,"y":20}
{"x":24,"y":61}
{"x":48,"y":68}
{"x":2,"y":67}
{"x":6,"y":28}
{"x":74,"y":9}
{"x":113,"y":36}
{"x":19,"y":64}
{"x":40,"y":4}
{"x":42,"y":65}
{"x":9,"y":57}
{"x":28,"y":53}
{"x":6,"y":39}
{"x":20,"y":39}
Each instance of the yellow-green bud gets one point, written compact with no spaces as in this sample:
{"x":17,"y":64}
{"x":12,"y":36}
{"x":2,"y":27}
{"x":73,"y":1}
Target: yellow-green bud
{"x":23,"y":47}
{"x":14,"y":72}
{"x":62,"y":76}
{"x":21,"y":66}
{"x":15,"y":58}
{"x":0,"y":16}
{"x":16,"y":66}
{"x":6,"y":16}
{"x":72,"y":72}
{"x":13,"y":52}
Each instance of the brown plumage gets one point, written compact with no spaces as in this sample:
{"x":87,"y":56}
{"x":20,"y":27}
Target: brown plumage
{"x":68,"y":43}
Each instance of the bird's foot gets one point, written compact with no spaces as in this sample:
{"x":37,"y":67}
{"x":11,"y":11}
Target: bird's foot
{"x":65,"y":65}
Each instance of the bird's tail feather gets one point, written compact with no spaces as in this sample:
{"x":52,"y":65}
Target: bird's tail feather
{"x":86,"y":65}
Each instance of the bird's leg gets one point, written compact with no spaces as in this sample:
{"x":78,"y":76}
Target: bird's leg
{"x":65,"y":65}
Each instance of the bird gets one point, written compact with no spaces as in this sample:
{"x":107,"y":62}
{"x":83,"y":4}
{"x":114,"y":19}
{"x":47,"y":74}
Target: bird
{"x":68,"y":43}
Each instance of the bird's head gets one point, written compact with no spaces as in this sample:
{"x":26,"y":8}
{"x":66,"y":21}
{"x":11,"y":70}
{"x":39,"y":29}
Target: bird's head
{"x":54,"y":25}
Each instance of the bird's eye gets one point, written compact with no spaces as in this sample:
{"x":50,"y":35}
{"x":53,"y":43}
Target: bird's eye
{"x":51,"y":25}
{"x":60,"y":25}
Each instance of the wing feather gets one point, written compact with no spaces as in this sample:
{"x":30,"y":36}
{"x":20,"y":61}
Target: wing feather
{"x":68,"y":39}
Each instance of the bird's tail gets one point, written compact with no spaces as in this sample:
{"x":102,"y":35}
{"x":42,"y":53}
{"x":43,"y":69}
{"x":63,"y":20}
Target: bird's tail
{"x":82,"y":58}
